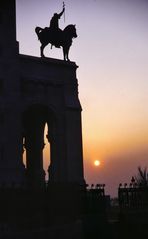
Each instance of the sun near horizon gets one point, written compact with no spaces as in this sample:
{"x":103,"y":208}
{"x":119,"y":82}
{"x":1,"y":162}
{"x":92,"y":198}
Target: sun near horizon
{"x":97,"y":163}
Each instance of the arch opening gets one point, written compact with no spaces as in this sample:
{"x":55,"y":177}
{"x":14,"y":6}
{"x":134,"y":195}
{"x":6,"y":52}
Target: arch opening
{"x":46,"y":153}
{"x":38,"y":131}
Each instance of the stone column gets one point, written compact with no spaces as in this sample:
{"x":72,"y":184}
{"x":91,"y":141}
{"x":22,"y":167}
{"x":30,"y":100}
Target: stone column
{"x":74,"y":152}
{"x":56,"y":137}
{"x":52,"y":169}
{"x":12,"y":170}
{"x":34,"y":145}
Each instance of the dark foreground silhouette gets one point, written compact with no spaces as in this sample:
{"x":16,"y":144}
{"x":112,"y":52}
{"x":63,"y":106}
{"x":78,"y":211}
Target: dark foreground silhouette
{"x":67,"y":213}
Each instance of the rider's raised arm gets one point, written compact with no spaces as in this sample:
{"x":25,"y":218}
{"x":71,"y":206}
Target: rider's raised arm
{"x":60,"y":14}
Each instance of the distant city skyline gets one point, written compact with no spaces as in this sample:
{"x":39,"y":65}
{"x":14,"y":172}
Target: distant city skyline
{"x":112,"y":54}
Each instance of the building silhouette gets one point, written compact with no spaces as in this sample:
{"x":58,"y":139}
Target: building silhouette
{"x":33,"y":92}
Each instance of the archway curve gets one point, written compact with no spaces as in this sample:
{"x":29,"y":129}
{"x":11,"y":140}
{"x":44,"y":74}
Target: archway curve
{"x":34,"y":119}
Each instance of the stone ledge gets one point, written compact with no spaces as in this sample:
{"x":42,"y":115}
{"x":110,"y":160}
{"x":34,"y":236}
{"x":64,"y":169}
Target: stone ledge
{"x":48,"y":60}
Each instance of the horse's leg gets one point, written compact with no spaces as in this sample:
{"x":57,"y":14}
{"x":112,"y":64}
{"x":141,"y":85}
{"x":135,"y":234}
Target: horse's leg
{"x":42,"y":49}
{"x":64,"y":53}
{"x":67,"y":53}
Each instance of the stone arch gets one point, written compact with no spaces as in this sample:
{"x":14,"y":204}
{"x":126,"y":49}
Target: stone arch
{"x":35,"y":118}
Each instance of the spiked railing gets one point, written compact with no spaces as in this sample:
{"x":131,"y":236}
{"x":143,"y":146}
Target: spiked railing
{"x":132,"y":196}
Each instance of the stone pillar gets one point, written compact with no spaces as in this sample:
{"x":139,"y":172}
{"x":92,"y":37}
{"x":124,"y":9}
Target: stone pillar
{"x":74,"y":152}
{"x":34,"y":145}
{"x":12,"y":169}
{"x":56,"y":137}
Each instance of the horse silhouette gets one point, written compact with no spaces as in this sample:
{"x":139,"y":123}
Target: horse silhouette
{"x":61,"y":38}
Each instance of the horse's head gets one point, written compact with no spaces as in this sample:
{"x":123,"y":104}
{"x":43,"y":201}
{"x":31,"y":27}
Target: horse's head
{"x":74,"y":31}
{"x":71,"y":30}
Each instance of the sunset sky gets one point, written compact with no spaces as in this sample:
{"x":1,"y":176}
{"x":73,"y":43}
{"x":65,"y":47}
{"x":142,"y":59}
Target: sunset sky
{"x":112,"y":54}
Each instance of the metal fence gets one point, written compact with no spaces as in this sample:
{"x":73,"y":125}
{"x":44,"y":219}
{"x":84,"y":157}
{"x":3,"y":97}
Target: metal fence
{"x":133,"y":197}
{"x":95,"y":199}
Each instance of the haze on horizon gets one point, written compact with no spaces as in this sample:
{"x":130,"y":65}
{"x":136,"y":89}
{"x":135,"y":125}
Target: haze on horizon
{"x":112,"y":54}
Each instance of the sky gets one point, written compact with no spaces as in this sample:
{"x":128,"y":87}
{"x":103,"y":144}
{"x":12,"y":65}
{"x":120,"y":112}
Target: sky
{"x":111,"y":51}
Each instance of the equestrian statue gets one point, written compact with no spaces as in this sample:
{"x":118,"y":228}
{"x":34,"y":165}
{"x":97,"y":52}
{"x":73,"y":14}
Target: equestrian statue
{"x":55,"y":36}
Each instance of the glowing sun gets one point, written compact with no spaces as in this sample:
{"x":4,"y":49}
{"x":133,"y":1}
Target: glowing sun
{"x":97,"y":163}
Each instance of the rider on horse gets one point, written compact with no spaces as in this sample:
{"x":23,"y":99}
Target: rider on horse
{"x":54,"y":27}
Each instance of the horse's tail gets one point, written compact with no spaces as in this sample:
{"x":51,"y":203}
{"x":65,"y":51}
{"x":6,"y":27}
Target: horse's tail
{"x":38,"y":30}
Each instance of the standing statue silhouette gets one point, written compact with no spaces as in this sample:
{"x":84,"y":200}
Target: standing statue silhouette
{"x":54,"y":27}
